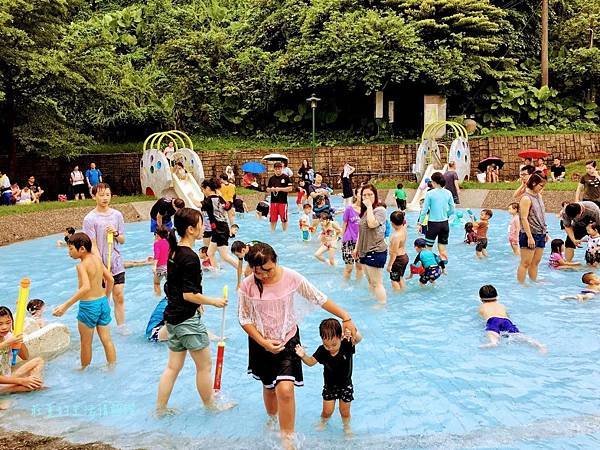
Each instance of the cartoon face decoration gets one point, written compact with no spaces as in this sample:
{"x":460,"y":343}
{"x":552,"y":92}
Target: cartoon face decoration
{"x":191,"y":162}
{"x":427,"y":153}
{"x":461,"y":154}
{"x":155,"y":173}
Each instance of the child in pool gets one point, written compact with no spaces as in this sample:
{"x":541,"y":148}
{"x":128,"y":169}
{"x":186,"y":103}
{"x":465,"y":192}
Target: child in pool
{"x":400,"y":196}
{"x":306,"y":222}
{"x":205,"y":260}
{"x":239,"y":205}
{"x":497,"y":322}
{"x":139,"y":262}
{"x":592,"y":288}
{"x":94,"y":310}
{"x":388,"y":225}
{"x":262,"y":210}
{"x":470,"y":234}
{"x":69,"y":231}
{"x":557,"y":256}
{"x":321,"y":206}
{"x":427,"y":264}
{"x":592,"y":253}
{"x":161,"y":255}
{"x":240,"y":250}
{"x":513,"y":228}
{"x":481,"y":228}
{"x":330,"y":233}
{"x":25,"y":378}
{"x":234,"y":230}
{"x":336,"y":357}
{"x":398,"y":259}
{"x":35,"y":320}
{"x":425,"y":220}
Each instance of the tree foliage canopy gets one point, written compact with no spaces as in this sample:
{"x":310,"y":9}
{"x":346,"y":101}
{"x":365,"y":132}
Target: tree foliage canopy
{"x":74,"y":71}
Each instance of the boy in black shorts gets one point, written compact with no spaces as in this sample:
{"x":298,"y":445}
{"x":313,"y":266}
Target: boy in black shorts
{"x":481,"y":228}
{"x":336,"y":356}
{"x":398,"y":259}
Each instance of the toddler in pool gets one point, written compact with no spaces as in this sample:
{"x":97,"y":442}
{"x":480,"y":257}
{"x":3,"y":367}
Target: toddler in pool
{"x":205,"y":259}
{"x":330,"y":233}
{"x":427,"y":264}
{"x":470,"y":234}
{"x":35,"y":320}
{"x":305,"y":222}
{"x":557,"y":256}
{"x":592,"y":287}
{"x":513,"y":228}
{"x":592,"y":253}
{"x":336,"y":357}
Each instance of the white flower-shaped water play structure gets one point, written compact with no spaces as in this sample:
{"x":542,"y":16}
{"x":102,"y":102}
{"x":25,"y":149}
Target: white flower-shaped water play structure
{"x":430,"y":158}
{"x":175,"y":171}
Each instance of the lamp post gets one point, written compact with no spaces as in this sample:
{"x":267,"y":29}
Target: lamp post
{"x":313,"y":100}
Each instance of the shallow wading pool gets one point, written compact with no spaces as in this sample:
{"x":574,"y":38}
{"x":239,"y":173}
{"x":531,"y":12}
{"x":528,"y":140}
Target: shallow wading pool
{"x":420,"y":379}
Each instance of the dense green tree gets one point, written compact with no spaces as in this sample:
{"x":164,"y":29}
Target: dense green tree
{"x":32,"y":72}
{"x":576,"y":62}
{"x":73,"y":71}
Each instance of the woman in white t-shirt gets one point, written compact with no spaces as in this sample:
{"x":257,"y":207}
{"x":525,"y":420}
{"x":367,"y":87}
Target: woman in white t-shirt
{"x":78,"y":183}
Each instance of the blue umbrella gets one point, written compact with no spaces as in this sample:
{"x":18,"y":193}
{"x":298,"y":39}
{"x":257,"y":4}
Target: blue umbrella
{"x":253,"y":167}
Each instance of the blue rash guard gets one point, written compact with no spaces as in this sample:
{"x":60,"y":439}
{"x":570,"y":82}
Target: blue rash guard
{"x":439,"y":203}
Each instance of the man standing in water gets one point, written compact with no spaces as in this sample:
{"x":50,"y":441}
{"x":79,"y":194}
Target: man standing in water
{"x":279,"y":185}
{"x":98,"y":224}
{"x":452,"y":185}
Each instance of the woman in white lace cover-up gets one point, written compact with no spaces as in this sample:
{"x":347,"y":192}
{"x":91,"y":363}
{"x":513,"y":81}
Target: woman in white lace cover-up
{"x":266,"y":312}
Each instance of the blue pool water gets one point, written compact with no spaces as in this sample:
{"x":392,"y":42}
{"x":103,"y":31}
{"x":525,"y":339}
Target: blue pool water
{"x":420,"y":379}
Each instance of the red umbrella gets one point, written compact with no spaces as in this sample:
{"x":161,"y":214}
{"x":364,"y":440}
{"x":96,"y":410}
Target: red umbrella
{"x":533,"y":153}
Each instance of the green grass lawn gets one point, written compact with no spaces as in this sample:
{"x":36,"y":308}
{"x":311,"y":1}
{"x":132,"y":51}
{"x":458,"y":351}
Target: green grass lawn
{"x":116,"y":200}
{"x":575,"y":167}
{"x":47,"y":206}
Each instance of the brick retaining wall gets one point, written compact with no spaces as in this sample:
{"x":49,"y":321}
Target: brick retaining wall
{"x":391,"y":160}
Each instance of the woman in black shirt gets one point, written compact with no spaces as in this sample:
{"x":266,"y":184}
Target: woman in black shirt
{"x":182,"y":315}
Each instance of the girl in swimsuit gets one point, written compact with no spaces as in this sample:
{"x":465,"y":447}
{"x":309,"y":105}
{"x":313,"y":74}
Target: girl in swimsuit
{"x":330,"y":232}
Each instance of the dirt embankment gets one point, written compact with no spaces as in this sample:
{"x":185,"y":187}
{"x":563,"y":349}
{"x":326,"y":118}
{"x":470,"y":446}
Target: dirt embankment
{"x":23,"y":440}
{"x":21,"y":227}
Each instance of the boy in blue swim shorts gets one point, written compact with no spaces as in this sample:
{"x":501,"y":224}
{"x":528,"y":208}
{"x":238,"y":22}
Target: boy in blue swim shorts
{"x":336,"y":357}
{"x":94,"y":310}
{"x":497,"y":322}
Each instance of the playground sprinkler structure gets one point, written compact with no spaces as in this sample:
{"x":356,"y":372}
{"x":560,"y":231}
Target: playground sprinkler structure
{"x":172,"y":174}
{"x":433,"y":156}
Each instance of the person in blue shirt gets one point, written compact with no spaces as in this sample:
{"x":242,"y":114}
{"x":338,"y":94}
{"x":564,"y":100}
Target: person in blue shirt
{"x":427,"y":264}
{"x":439,"y":205}
{"x":93,"y":177}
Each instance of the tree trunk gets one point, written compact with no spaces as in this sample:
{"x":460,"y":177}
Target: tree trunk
{"x":11,"y":139}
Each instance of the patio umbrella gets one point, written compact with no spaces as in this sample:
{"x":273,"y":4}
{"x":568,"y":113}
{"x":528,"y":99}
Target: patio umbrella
{"x":253,"y":167}
{"x":274,"y":157}
{"x":533,"y":153}
{"x":484,"y":163}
